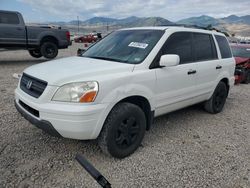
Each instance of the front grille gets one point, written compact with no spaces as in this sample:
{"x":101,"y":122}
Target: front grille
{"x":32,"y":86}
{"x":29,"y":109}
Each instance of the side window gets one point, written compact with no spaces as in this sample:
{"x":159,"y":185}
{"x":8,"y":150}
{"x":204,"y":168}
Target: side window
{"x":181,"y":44}
{"x":204,"y":47}
{"x":9,"y":18}
{"x":224,"y":46}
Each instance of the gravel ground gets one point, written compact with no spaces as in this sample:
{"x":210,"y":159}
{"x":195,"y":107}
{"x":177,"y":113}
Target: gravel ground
{"x":187,"y":148}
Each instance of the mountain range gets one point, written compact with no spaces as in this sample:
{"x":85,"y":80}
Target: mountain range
{"x":132,"y":21}
{"x":234,"y":24}
{"x":208,"y":20}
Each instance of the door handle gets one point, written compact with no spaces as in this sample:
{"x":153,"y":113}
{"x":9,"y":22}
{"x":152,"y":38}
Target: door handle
{"x":19,"y":29}
{"x":191,"y":72}
{"x":218,"y":67}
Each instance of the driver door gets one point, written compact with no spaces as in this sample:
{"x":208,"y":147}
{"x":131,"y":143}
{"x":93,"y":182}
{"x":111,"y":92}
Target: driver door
{"x":175,"y":85}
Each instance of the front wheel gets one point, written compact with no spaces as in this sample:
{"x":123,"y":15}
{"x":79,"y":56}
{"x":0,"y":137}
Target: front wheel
{"x":35,"y":53}
{"x":123,"y":130}
{"x":49,"y":50}
{"x":216,"y":103}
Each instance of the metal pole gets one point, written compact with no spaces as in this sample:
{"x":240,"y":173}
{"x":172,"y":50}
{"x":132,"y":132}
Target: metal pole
{"x":78,"y":23}
{"x":93,"y":171}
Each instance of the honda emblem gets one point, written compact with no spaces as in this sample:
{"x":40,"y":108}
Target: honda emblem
{"x":29,"y":84}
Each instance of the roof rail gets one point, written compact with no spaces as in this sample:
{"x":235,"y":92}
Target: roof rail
{"x":209,"y":27}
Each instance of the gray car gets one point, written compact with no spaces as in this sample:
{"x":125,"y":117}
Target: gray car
{"x":38,"y":40}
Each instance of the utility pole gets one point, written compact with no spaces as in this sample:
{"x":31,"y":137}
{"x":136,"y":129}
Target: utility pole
{"x":78,"y":24}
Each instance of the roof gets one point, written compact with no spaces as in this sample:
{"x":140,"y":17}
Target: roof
{"x":237,"y":45}
{"x":175,"y":28}
{"x":8,"y":11}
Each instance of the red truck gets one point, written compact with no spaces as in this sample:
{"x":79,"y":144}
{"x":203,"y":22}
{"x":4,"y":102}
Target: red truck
{"x":241,"y":54}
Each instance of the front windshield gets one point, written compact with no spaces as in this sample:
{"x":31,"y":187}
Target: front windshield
{"x":241,"y":52}
{"x":126,"y":46}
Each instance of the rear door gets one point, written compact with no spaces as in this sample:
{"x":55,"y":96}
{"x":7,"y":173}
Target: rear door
{"x":12,"y":31}
{"x":208,"y":64}
{"x":227,"y":61}
{"x":176,"y":85}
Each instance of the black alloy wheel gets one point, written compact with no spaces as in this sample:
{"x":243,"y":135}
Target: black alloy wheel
{"x":35,"y":53}
{"x":216,"y":103}
{"x":127,"y":132}
{"x":123,"y":130}
{"x":49,"y":50}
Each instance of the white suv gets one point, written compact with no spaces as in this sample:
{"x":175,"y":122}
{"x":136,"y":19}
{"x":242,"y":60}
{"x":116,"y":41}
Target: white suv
{"x":116,"y":88}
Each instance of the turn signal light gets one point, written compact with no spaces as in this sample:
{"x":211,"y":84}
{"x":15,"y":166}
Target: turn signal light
{"x":88,"y":97}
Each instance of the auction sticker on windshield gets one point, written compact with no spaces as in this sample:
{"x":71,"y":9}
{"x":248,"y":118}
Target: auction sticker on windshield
{"x":138,"y":45}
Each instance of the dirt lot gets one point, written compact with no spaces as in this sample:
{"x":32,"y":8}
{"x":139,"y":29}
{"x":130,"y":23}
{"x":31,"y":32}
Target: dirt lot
{"x":188,"y":148}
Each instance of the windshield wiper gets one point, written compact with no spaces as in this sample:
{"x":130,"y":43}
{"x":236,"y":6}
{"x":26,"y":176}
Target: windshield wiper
{"x":106,"y":58}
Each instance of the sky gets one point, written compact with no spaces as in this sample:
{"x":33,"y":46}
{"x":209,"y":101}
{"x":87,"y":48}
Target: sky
{"x":173,"y":10}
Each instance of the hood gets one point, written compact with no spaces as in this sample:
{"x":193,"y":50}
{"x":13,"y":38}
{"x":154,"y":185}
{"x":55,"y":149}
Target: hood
{"x":74,"y":69}
{"x":240,"y":60}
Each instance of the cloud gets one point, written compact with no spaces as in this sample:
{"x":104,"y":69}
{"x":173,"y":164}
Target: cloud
{"x":169,"y":9}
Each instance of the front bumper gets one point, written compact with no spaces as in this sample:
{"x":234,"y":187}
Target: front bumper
{"x":76,"y":121}
{"x":239,"y":74}
{"x":41,"y":124}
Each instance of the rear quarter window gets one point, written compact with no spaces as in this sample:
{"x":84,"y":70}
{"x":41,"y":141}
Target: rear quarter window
{"x":8,"y":18}
{"x":224,"y":46}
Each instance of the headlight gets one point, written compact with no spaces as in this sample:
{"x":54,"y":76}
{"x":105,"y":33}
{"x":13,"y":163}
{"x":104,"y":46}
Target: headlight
{"x":77,"y":92}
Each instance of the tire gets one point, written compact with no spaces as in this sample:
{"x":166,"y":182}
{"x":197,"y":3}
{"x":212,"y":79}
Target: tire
{"x":216,"y":103}
{"x":49,"y":50}
{"x":123,"y":130}
{"x":247,"y":79}
{"x":35,"y":53}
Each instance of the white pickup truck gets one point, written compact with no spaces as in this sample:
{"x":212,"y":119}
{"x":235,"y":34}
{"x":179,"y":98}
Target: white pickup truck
{"x":115,"y":89}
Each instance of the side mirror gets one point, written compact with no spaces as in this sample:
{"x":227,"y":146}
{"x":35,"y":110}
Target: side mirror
{"x":80,"y":52}
{"x":169,"y":60}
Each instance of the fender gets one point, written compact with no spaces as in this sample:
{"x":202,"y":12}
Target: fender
{"x":47,"y":34}
{"x":119,"y":93}
{"x":129,"y":90}
{"x":122,"y":95}
{"x":223,"y":75}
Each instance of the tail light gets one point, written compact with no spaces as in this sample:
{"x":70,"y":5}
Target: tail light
{"x":68,"y":35}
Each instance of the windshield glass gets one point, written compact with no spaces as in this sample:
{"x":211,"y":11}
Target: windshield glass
{"x":125,"y":46}
{"x":241,"y":52}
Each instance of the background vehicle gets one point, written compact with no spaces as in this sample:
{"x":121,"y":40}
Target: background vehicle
{"x":241,"y":53}
{"x":40,"y":41}
{"x":115,"y":89}
{"x":91,"y":38}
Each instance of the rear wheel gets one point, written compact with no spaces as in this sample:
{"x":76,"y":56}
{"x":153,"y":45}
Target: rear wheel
{"x":35,"y":53}
{"x":123,"y":130}
{"x":49,"y":50}
{"x":216,"y":103}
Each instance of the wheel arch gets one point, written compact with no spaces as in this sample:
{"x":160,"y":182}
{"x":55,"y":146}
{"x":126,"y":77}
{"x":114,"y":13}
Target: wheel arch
{"x":144,"y":104}
{"x":138,"y":100}
{"x":49,"y":38}
{"x":226,"y":81}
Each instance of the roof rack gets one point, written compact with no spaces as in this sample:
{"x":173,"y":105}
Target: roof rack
{"x":209,"y":27}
